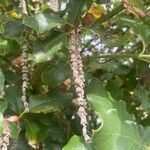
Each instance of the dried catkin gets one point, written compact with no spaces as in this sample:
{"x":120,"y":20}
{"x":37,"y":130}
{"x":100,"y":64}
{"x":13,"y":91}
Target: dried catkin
{"x":25,"y":76}
{"x":78,"y":76}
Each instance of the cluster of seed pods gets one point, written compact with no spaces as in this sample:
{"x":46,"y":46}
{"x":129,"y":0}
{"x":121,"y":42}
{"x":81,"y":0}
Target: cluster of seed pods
{"x":25,"y":76}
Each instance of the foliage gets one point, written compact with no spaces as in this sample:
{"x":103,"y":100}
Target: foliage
{"x":115,"y":52}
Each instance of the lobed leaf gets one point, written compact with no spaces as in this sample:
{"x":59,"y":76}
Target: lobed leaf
{"x":119,"y":131}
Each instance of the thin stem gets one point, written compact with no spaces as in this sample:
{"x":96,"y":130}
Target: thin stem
{"x":123,"y":55}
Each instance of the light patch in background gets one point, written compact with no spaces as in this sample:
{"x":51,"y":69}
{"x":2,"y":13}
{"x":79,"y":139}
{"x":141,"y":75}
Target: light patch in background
{"x":63,"y":5}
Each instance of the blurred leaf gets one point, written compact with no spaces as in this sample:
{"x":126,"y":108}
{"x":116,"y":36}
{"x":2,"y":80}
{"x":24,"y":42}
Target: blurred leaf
{"x":48,"y":103}
{"x":141,"y":68}
{"x":119,"y":131}
{"x":114,"y":87}
{"x":120,"y":40}
{"x":8,"y":47}
{"x":42,"y":22}
{"x":130,"y":81}
{"x":115,"y":67}
{"x":14,"y":100}
{"x":49,"y":50}
{"x":143,"y":96}
{"x":55,"y":75}
{"x":3,"y":105}
{"x":58,"y":135}
{"x":14,"y":130}
{"x":57,"y":132}
{"x":52,"y":145}
{"x":76,"y":8}
{"x":22,"y":143}
{"x":145,"y":134}
{"x":33,"y":131}
{"x":75,"y":143}
{"x":97,"y":28}
{"x":14,"y":29}
{"x":140,"y":28}
{"x":11,"y":77}
{"x":100,"y":1}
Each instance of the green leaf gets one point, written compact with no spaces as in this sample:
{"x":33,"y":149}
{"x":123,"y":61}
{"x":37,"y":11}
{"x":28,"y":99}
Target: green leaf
{"x":143,"y":96}
{"x":35,"y":131}
{"x":48,"y":103}
{"x":114,"y":86}
{"x":21,"y":143}
{"x":52,"y":145}
{"x":57,"y":135}
{"x":11,"y":77}
{"x":76,"y":8}
{"x":120,"y":40}
{"x":75,"y":143}
{"x":14,"y":29}
{"x":140,"y":28}
{"x":14,"y":100}
{"x":14,"y":130}
{"x":145,"y":133}
{"x":3,"y":106}
{"x":119,"y":131}
{"x":32,"y":131}
{"x":56,"y":74}
{"x":2,"y":80}
{"x":8,"y":47}
{"x":42,"y":22}
{"x":57,"y":132}
{"x":97,"y":28}
{"x":115,"y":67}
{"x":49,"y":50}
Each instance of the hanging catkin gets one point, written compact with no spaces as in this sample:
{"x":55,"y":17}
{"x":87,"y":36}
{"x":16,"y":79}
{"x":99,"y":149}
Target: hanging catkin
{"x":25,"y":76}
{"x":78,"y":76}
{"x":4,"y":141}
